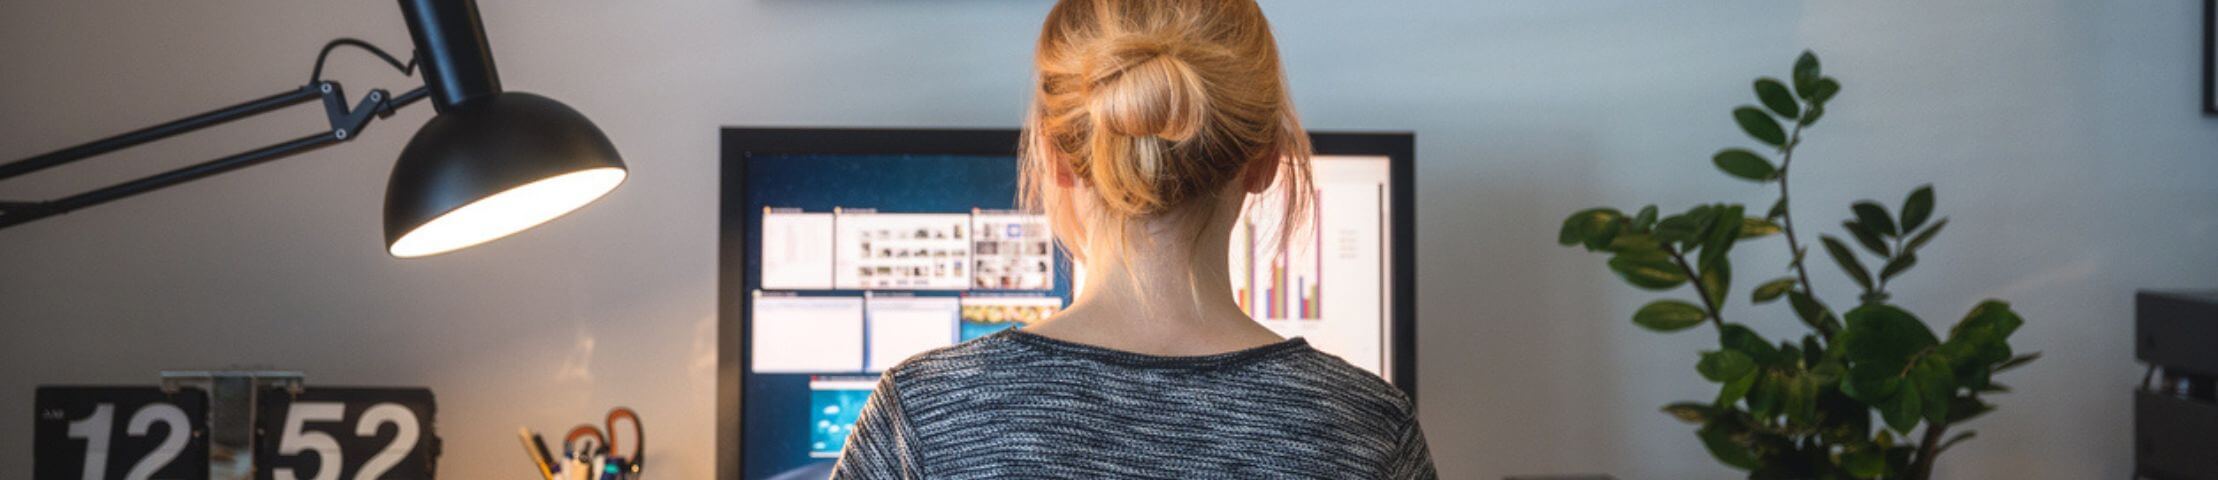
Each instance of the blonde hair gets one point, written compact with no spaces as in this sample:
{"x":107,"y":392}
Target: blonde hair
{"x":1157,"y":105}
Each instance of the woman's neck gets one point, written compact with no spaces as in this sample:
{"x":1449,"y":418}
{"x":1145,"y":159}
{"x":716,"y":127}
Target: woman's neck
{"x":1168,"y":293}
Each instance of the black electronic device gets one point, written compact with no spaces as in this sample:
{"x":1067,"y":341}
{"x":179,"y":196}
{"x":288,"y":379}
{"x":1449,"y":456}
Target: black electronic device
{"x":845,"y":251}
{"x":2175,"y":415}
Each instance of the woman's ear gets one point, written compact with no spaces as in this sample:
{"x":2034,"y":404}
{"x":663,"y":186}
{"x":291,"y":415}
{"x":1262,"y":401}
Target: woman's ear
{"x":1063,"y":177}
{"x":1260,"y":173}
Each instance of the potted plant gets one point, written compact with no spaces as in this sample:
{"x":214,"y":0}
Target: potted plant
{"x":1806,"y":408}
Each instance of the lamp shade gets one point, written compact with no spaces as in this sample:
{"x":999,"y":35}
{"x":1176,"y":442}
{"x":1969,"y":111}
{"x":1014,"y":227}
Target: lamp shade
{"x":493,"y":166}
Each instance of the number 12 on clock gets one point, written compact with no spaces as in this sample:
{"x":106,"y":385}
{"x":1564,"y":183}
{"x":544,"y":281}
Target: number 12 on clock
{"x":128,"y":433}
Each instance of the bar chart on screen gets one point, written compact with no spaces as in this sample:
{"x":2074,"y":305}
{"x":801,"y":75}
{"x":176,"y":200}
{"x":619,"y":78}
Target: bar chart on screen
{"x":1322,"y":278}
{"x":1276,"y":272}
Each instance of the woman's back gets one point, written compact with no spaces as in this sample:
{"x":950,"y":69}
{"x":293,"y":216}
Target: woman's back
{"x":1020,"y":405}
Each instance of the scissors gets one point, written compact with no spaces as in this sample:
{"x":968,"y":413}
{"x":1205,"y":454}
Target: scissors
{"x":606,"y":440}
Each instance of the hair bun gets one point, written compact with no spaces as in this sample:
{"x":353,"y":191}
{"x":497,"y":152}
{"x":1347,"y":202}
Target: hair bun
{"x":1148,"y":104}
{"x":1143,"y":87}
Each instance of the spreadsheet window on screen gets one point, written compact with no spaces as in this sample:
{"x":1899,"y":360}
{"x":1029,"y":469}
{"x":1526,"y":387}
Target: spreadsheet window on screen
{"x":857,"y":261}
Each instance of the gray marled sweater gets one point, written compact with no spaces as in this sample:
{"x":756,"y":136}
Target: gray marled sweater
{"x":1019,"y":405}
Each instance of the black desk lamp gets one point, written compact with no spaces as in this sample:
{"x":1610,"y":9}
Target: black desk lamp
{"x":492,"y":163}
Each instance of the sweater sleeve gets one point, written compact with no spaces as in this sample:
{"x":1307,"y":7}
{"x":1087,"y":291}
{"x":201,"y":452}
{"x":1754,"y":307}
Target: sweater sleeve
{"x":1412,"y":459}
{"x":881,"y":446}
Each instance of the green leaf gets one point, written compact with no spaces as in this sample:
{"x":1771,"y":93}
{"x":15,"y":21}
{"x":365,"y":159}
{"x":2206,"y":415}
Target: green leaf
{"x":1725,"y":441}
{"x":1886,"y":334}
{"x":1739,"y":338}
{"x":1811,"y":116}
{"x":1778,"y":210}
{"x":1814,"y":356}
{"x":1978,"y":378}
{"x":1770,"y":393}
{"x":1690,"y":412}
{"x":1645,"y":220}
{"x":1982,"y":337}
{"x":1825,"y":90}
{"x":1735,"y":390}
{"x":1864,"y":462}
{"x":1760,"y":125}
{"x":1637,"y":242}
{"x":1593,"y":227}
{"x":1802,"y":399}
{"x":2018,"y":361}
{"x":1722,"y":228}
{"x":1895,"y":266}
{"x":1901,"y":411}
{"x":1967,"y":408}
{"x":1880,"y":343}
{"x":1874,"y":217}
{"x":1925,"y":236}
{"x":1936,"y":385}
{"x":1725,"y":365}
{"x":1898,"y":458}
{"x":1806,"y":75}
{"x":1649,"y":269}
{"x":1745,"y":164}
{"x":1917,"y":208}
{"x":1669,"y":316}
{"x":1753,"y":227}
{"x":1847,"y":260}
{"x":1776,"y":97}
{"x":1869,"y":239}
{"x":1679,"y":228}
{"x":1702,"y":216}
{"x":1771,"y":290}
{"x":1809,"y":309}
{"x":1717,"y":278}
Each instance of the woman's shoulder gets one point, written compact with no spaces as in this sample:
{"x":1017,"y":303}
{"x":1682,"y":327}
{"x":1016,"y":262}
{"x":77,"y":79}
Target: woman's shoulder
{"x":1336,"y":379}
{"x":960,"y":360}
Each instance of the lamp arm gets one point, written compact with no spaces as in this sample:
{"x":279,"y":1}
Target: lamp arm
{"x":346,"y":123}
{"x":181,"y":126}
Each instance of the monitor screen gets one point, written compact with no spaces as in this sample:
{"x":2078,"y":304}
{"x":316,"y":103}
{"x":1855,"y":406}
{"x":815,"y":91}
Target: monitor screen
{"x":857,"y":249}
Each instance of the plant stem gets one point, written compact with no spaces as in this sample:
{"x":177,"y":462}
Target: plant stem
{"x":1928,"y":448}
{"x":1786,"y":225}
{"x":1883,"y":276}
{"x":1717,"y":317}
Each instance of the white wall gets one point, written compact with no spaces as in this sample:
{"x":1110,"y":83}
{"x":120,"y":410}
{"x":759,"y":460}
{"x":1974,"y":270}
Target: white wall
{"x":2062,"y":136}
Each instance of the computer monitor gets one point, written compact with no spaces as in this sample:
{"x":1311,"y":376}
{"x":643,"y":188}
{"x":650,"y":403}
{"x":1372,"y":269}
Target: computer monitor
{"x":844,"y":252}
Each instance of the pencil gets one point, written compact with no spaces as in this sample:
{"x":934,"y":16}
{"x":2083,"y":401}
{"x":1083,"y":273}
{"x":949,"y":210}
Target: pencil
{"x":537,"y":451}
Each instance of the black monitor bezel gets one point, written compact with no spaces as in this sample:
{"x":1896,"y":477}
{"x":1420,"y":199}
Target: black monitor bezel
{"x":739,"y":143}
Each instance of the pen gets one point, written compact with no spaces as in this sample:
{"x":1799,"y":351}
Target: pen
{"x":540,"y":443}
